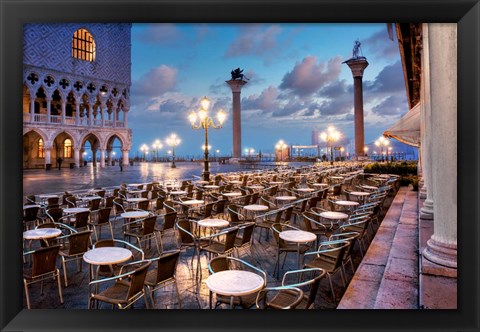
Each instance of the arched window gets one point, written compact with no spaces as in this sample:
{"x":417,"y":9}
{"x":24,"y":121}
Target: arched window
{"x":83,"y":45}
{"x":41,"y":150}
{"x":67,"y":148}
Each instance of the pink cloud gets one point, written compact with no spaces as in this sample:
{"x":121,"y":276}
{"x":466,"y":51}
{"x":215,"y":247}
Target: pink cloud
{"x":156,"y":82}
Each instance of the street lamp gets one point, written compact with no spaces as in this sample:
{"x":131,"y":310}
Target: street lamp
{"x":205,"y":121}
{"x":341,"y":150}
{"x":382,"y":142}
{"x":144,"y":149}
{"x":173,"y":141}
{"x":330,"y":136}
{"x":157,"y":145}
{"x":280,"y":146}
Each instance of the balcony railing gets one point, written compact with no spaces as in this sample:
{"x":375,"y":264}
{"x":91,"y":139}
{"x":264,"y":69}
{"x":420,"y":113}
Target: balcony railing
{"x":70,"y":121}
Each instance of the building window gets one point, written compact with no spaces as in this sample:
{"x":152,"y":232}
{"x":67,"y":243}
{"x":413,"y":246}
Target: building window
{"x":67,"y":148}
{"x":41,"y":150}
{"x":83,"y":45}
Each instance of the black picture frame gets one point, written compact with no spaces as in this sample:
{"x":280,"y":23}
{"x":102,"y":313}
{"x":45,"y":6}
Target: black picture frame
{"x":15,"y":13}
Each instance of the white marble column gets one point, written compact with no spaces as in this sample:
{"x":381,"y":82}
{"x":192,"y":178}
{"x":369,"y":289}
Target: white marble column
{"x":125,"y":124}
{"x":76,"y":156}
{"x":32,"y":109}
{"x":64,"y":104}
{"x":441,"y":248}
{"x":48,"y":152}
{"x":109,"y":157}
{"x":125,"y":157}
{"x":426,"y":211}
{"x":102,"y":158}
{"x":49,"y":103}
{"x":77,"y":112}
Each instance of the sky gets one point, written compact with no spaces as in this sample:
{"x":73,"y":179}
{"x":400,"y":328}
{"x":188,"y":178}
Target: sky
{"x":296,"y":82}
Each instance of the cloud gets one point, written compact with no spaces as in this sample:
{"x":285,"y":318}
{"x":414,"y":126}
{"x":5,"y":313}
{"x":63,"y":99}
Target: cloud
{"x":308,"y":76}
{"x":266,"y":101}
{"x":254,"y":39}
{"x":389,"y":80}
{"x":164,"y":33}
{"x":380,"y":45}
{"x":392,"y":105}
{"x":154,"y":83}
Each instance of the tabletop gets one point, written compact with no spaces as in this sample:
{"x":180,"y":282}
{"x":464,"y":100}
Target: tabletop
{"x":235,"y":181}
{"x":135,"y":214}
{"x":256,"y":187}
{"x":136,"y":199}
{"x":286,"y":198}
{"x":346,"y":203}
{"x":369,"y":187}
{"x":276,"y":182}
{"x":89,"y":198}
{"x":178,"y":192}
{"x":306,"y":190}
{"x":235,"y":282}
{"x":76,"y":210}
{"x":211,"y":186}
{"x":107,"y":255}
{"x":202,"y":182}
{"x":47,"y":196}
{"x":333,"y":215}
{"x":359,"y":193}
{"x":298,"y":236}
{"x":256,"y":207}
{"x":41,"y":233}
{"x":320,"y":184}
{"x":193,"y":202}
{"x":213,"y":222}
{"x":31,"y":206}
{"x":232,"y":194}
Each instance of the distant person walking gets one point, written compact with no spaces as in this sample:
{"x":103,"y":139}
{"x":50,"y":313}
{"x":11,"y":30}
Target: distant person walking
{"x":59,"y":162}
{"x":121,"y":166}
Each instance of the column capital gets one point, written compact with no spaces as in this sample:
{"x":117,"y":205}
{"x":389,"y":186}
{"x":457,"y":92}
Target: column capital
{"x":357,"y":66}
{"x":236,"y":85}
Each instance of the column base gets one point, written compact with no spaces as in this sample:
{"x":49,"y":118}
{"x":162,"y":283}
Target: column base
{"x":440,"y":258}
{"x":426,"y":212}
{"x":423,"y":192}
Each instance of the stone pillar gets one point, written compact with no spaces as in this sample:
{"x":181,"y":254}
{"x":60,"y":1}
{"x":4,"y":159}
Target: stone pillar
{"x":426,"y":211}
{"x":76,"y":156}
{"x":125,"y":157}
{"x":64,"y":105}
{"x":115,"y":115}
{"x":125,"y":112}
{"x":89,"y":116}
{"x":94,"y":157}
{"x":77,"y":113}
{"x":32,"y":109}
{"x":47,"y":146}
{"x":357,"y":66}
{"x":441,"y":249}
{"x":49,"y":103}
{"x":102,"y":158}
{"x":109,"y":157}
{"x":236,"y":86}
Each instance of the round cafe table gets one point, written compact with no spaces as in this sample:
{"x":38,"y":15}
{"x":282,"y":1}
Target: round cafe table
{"x":360,"y":194}
{"x":213,"y":222}
{"x":134,"y":214}
{"x":255,"y":208}
{"x":284,"y":199}
{"x":193,"y":202}
{"x":349,"y":205}
{"x":334,"y":217}
{"x":234,"y":283}
{"x":298,"y":237}
{"x":75,"y":210}
{"x":41,"y":233}
{"x":320,"y":184}
{"x":106,"y":256}
{"x":28,"y":206}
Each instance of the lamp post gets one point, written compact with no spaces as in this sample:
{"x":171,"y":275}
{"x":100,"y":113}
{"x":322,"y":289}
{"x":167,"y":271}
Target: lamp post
{"x":205,"y":122}
{"x":280,"y":146}
{"x":382,"y":142}
{"x":157,"y":145}
{"x":341,"y":150}
{"x":144,"y":149}
{"x":330,"y":136}
{"x":173,"y":141}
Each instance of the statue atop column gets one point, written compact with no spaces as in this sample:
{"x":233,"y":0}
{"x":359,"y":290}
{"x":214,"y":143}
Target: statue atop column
{"x":238,"y":74}
{"x":357,"y":50}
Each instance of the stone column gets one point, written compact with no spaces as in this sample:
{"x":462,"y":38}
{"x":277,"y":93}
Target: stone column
{"x":115,"y":115}
{"x":441,"y":248}
{"x":47,"y":146}
{"x":236,"y":86}
{"x":125,"y":157}
{"x":64,"y":104}
{"x":94,"y":157}
{"x":125,"y":113}
{"x":76,"y":156}
{"x":109,"y":157}
{"x":49,"y":103}
{"x":102,"y":158}
{"x":32,"y":109}
{"x":426,"y":211}
{"x":357,"y":66}
{"x":77,"y":112}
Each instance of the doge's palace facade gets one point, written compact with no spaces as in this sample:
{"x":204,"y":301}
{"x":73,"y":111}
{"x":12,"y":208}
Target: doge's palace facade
{"x":76,"y":93}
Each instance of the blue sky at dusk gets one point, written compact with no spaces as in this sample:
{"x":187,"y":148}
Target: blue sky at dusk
{"x":297,"y":82}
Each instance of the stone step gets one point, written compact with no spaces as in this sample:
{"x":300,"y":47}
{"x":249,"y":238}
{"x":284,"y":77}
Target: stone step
{"x":378,"y":270}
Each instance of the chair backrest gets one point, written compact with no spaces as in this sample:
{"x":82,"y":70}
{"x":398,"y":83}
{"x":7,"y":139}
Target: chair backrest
{"x":115,"y":192}
{"x":137,"y":280}
{"x":71,"y":201}
{"x":230,"y":239}
{"x":199,"y":194}
{"x":254,"y":198}
{"x":144,"y":194}
{"x":169,"y":206}
{"x":104,"y":243}
{"x":233,"y":213}
{"x":218,"y":264}
{"x":94,"y":204}
{"x":288,"y":214}
{"x":101,"y":193}
{"x":282,"y":297}
{"x":208,"y":210}
{"x":169,"y":220}
{"x":30,"y":213}
{"x":52,"y":202}
{"x":30,"y":199}
{"x":348,"y":236}
{"x":313,"y":277}
{"x":159,"y":203}
{"x":104,"y":215}
{"x":119,"y":207}
{"x":167,"y":265}
{"x":81,"y":219}
{"x":78,"y":242}
{"x":312,"y":202}
{"x":45,"y":260}
{"x":307,"y":217}
{"x":55,"y":213}
{"x":148,"y":225}
{"x":247,"y":233}
{"x":220,"y":206}
{"x":184,"y":226}
{"x":109,"y":201}
{"x":143,"y":205}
